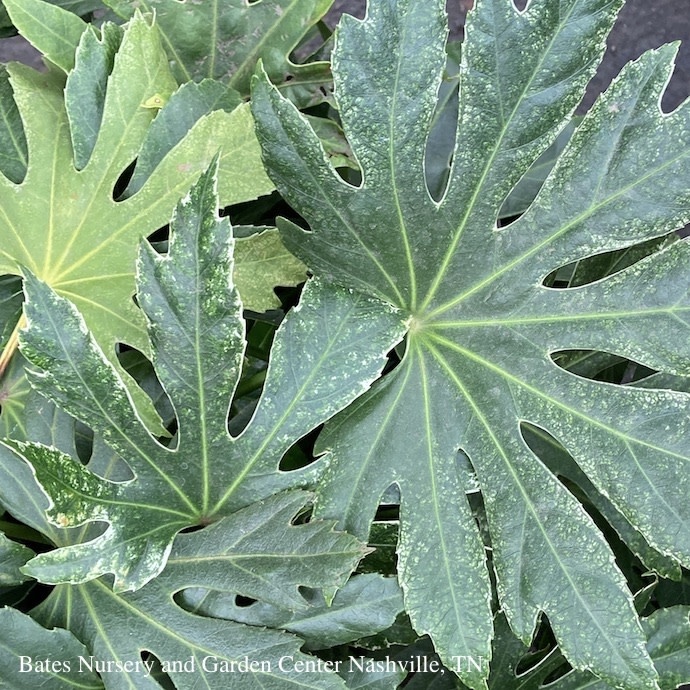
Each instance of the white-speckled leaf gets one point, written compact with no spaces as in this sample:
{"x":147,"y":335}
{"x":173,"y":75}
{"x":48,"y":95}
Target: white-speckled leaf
{"x":121,"y":626}
{"x":266,"y":551}
{"x":483,"y":326}
{"x":260,"y":539}
{"x":327,"y":351}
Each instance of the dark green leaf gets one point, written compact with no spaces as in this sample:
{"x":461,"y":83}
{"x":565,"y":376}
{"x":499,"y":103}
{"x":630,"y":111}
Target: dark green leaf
{"x":13,"y":152}
{"x":263,"y":551}
{"x":560,"y":462}
{"x":225,"y":38}
{"x":439,"y":149}
{"x":482,"y":324}
{"x":118,"y":628}
{"x":32,"y":657}
{"x":526,"y":190}
{"x":372,"y":680}
{"x":86,"y":89}
{"x":668,"y":644}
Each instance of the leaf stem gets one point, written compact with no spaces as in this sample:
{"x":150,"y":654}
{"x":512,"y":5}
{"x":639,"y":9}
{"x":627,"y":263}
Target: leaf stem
{"x":12,"y":345}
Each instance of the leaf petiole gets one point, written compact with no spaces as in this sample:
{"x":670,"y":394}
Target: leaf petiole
{"x":12,"y":345}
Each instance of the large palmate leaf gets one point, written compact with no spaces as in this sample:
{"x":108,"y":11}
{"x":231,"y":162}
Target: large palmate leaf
{"x":88,"y":63}
{"x":257,"y":552}
{"x":61,"y":219}
{"x":225,"y":38}
{"x":483,"y":327}
{"x":121,"y":627}
{"x":197,"y":341}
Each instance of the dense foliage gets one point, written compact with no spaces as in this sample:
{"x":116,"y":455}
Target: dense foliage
{"x":409,"y":411}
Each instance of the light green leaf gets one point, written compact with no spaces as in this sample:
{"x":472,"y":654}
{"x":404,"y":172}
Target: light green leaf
{"x":63,"y":223}
{"x":195,"y":323}
{"x":78,"y":7}
{"x":225,"y":38}
{"x":483,"y":326}
{"x":31,"y":656}
{"x":365,"y":605}
{"x":53,"y":31}
{"x":261,"y":263}
{"x":177,"y":116}
{"x":14,"y":389}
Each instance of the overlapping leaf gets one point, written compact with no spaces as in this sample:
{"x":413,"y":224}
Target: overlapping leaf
{"x":259,"y":540}
{"x":61,"y":220}
{"x":259,"y":552}
{"x":88,"y":61}
{"x":223,"y":39}
{"x":668,"y":641}
{"x":327,"y":352}
{"x":123,"y":626}
{"x":483,"y":328}
{"x":367,"y":604}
